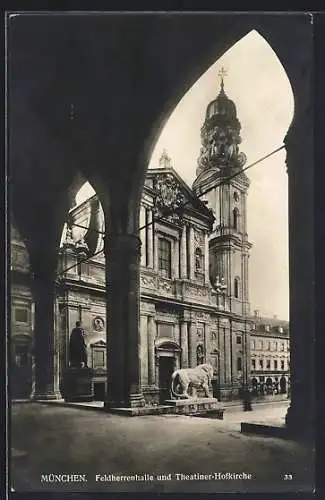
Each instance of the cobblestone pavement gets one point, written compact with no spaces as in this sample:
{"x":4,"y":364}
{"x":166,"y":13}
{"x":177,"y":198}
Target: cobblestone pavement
{"x":48,"y":439}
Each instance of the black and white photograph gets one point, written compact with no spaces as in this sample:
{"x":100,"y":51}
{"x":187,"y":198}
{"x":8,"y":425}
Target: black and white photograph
{"x":160,"y":261}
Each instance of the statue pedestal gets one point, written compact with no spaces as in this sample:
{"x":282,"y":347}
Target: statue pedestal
{"x":193,"y":405}
{"x":77,"y":385}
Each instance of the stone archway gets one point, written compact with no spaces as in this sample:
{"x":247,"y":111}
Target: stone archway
{"x":41,"y":150}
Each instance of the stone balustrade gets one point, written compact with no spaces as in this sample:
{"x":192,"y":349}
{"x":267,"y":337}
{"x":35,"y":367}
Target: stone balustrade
{"x":183,"y":290}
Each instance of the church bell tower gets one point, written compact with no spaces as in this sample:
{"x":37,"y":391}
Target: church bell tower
{"x":219,"y":173}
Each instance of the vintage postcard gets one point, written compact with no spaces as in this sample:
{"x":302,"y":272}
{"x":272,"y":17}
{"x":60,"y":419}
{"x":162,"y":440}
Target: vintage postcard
{"x":160,"y":265}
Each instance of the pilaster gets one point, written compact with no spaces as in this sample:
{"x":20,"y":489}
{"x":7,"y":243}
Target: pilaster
{"x":183,"y":251}
{"x":184,"y":344}
{"x":143,"y":232}
{"x":191,"y":253}
{"x":149,"y":233}
{"x":151,"y":350}
{"x":206,"y":259}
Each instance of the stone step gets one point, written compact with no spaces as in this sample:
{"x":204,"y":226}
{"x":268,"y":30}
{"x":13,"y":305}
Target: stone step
{"x":217,"y":414}
{"x":142,"y":410}
{"x":191,"y":406}
{"x":192,"y":401}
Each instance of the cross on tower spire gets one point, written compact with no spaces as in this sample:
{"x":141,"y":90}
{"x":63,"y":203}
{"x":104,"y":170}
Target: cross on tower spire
{"x":222,"y":73}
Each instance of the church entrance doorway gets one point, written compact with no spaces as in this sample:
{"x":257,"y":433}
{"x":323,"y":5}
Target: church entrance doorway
{"x":166,"y":368}
{"x":167,"y":361}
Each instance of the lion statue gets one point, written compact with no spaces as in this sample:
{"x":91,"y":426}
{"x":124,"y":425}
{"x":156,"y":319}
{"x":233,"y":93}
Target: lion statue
{"x":196,"y":377}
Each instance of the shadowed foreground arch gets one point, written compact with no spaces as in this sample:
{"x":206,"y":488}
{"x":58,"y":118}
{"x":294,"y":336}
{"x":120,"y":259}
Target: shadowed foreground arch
{"x":118,"y":109}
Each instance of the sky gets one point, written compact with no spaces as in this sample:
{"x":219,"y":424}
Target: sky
{"x":258,"y":85}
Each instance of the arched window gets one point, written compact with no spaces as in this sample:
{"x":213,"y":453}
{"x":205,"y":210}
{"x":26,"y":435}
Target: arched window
{"x":236,"y":287}
{"x":239,"y":364}
{"x":235,"y":218}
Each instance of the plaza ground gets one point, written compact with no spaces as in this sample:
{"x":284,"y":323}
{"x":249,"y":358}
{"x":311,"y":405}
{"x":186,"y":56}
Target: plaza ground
{"x":52,"y":439}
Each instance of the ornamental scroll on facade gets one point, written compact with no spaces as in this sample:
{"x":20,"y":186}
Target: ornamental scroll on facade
{"x":169,"y":198}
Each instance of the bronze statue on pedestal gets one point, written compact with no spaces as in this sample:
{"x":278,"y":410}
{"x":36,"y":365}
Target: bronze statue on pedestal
{"x":77,"y":348}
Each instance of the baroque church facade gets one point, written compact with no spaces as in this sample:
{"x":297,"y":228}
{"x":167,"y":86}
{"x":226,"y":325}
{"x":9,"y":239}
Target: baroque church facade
{"x":194,"y":303}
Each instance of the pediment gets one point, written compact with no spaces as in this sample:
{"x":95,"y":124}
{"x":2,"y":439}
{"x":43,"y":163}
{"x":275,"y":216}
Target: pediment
{"x":173,"y":195}
{"x":167,"y":345}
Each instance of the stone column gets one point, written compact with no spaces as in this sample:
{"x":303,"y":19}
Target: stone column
{"x":191,"y":252}
{"x":143,"y":232}
{"x":122,"y":252}
{"x":184,"y":344}
{"x":46,"y":367}
{"x":206,"y":260}
{"x":151,"y":350}
{"x":191,"y":345}
{"x":183,"y":251}
{"x":155,"y":251}
{"x":150,"y":233}
{"x":143,"y":349}
{"x":299,"y":145}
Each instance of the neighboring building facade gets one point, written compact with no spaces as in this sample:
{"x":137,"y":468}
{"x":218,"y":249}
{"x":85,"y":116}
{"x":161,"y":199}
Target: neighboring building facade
{"x":194,"y":304}
{"x":270,"y":355}
{"x":21,"y":317}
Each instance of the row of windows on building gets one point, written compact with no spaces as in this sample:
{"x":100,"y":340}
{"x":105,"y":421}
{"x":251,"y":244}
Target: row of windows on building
{"x":267,"y":328}
{"x":276,"y":366}
{"x":266,"y":344}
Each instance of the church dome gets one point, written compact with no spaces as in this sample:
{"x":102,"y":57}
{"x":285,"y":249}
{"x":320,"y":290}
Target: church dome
{"x":222,"y":106}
